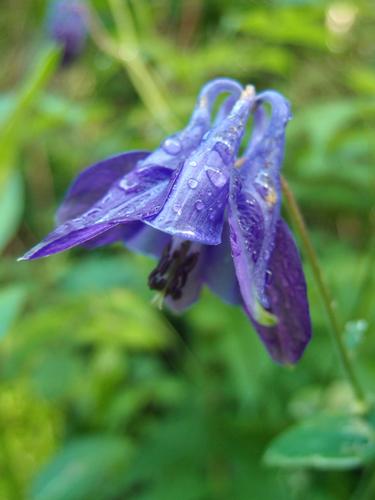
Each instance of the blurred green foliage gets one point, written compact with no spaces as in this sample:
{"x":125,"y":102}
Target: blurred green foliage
{"x":103,"y":396}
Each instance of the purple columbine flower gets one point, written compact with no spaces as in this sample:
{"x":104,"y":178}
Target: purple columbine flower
{"x":211,"y":216}
{"x":67,"y":26}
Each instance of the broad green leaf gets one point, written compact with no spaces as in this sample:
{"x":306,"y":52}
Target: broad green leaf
{"x":12,"y":299}
{"x":324,"y":442}
{"x":283,"y":25}
{"x":11,"y":206}
{"x":91,"y":467}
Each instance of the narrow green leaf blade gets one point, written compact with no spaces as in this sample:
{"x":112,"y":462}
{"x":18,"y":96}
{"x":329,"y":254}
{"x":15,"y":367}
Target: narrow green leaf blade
{"x":11,"y":206}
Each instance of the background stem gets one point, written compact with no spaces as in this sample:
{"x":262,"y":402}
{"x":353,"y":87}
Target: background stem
{"x":297,"y":218}
{"x":127,"y":51}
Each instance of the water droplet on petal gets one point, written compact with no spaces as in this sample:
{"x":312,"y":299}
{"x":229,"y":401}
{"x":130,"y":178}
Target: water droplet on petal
{"x":193,"y":183}
{"x":177,"y":209}
{"x":224,"y":151}
{"x":264,"y":179}
{"x":214,"y":159}
{"x":217,"y":177}
{"x":268,"y":277}
{"x":192,"y":163}
{"x":128,"y":184}
{"x":172,"y":146}
{"x":199,"y":205}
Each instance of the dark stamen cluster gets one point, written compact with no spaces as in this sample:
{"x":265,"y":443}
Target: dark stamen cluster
{"x":172,"y":271}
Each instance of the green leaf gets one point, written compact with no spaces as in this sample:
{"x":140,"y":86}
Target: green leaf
{"x":324,"y":442}
{"x":12,"y":299}
{"x":11,"y":206}
{"x":91,"y":467}
{"x":41,"y":72}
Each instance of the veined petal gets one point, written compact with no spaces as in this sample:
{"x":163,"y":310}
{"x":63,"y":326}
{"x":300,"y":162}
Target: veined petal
{"x":218,"y":270}
{"x":94,"y":182}
{"x":255,"y":201}
{"x":138,"y":195}
{"x":137,"y":237}
{"x":147,"y":240}
{"x":196,"y":205}
{"x":193,"y":286}
{"x":287,"y":296}
{"x":266,"y":148}
{"x":247,"y":233}
{"x":121,"y":232}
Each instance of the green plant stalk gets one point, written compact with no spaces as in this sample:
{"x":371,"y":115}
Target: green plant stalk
{"x":37,"y":80}
{"x":297,"y":219}
{"x":128,"y":53}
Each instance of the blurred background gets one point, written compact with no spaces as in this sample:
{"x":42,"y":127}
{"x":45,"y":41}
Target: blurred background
{"x":101,"y":394}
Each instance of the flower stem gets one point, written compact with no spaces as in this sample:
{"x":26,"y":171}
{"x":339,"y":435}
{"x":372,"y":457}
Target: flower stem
{"x":297,"y":218}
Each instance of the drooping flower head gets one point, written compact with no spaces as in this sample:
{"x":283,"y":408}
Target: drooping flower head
{"x":67,"y":26}
{"x":210,"y":215}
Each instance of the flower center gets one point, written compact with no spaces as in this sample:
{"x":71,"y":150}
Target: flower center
{"x":174,"y":267}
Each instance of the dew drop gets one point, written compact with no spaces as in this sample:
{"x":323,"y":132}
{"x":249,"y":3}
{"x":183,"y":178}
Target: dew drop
{"x":128,"y":184}
{"x":199,"y":205}
{"x":108,"y":198}
{"x":177,"y":209}
{"x":224,"y":151}
{"x":193,"y":183}
{"x":264,"y":179}
{"x":214,"y":159}
{"x":217,"y":178}
{"x":192,"y":163}
{"x":268,"y":277}
{"x":172,"y":146}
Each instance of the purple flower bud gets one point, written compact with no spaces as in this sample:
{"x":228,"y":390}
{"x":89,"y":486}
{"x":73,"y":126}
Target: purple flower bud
{"x":67,"y":26}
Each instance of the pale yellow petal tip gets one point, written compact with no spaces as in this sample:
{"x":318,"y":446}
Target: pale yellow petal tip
{"x":264,"y":317}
